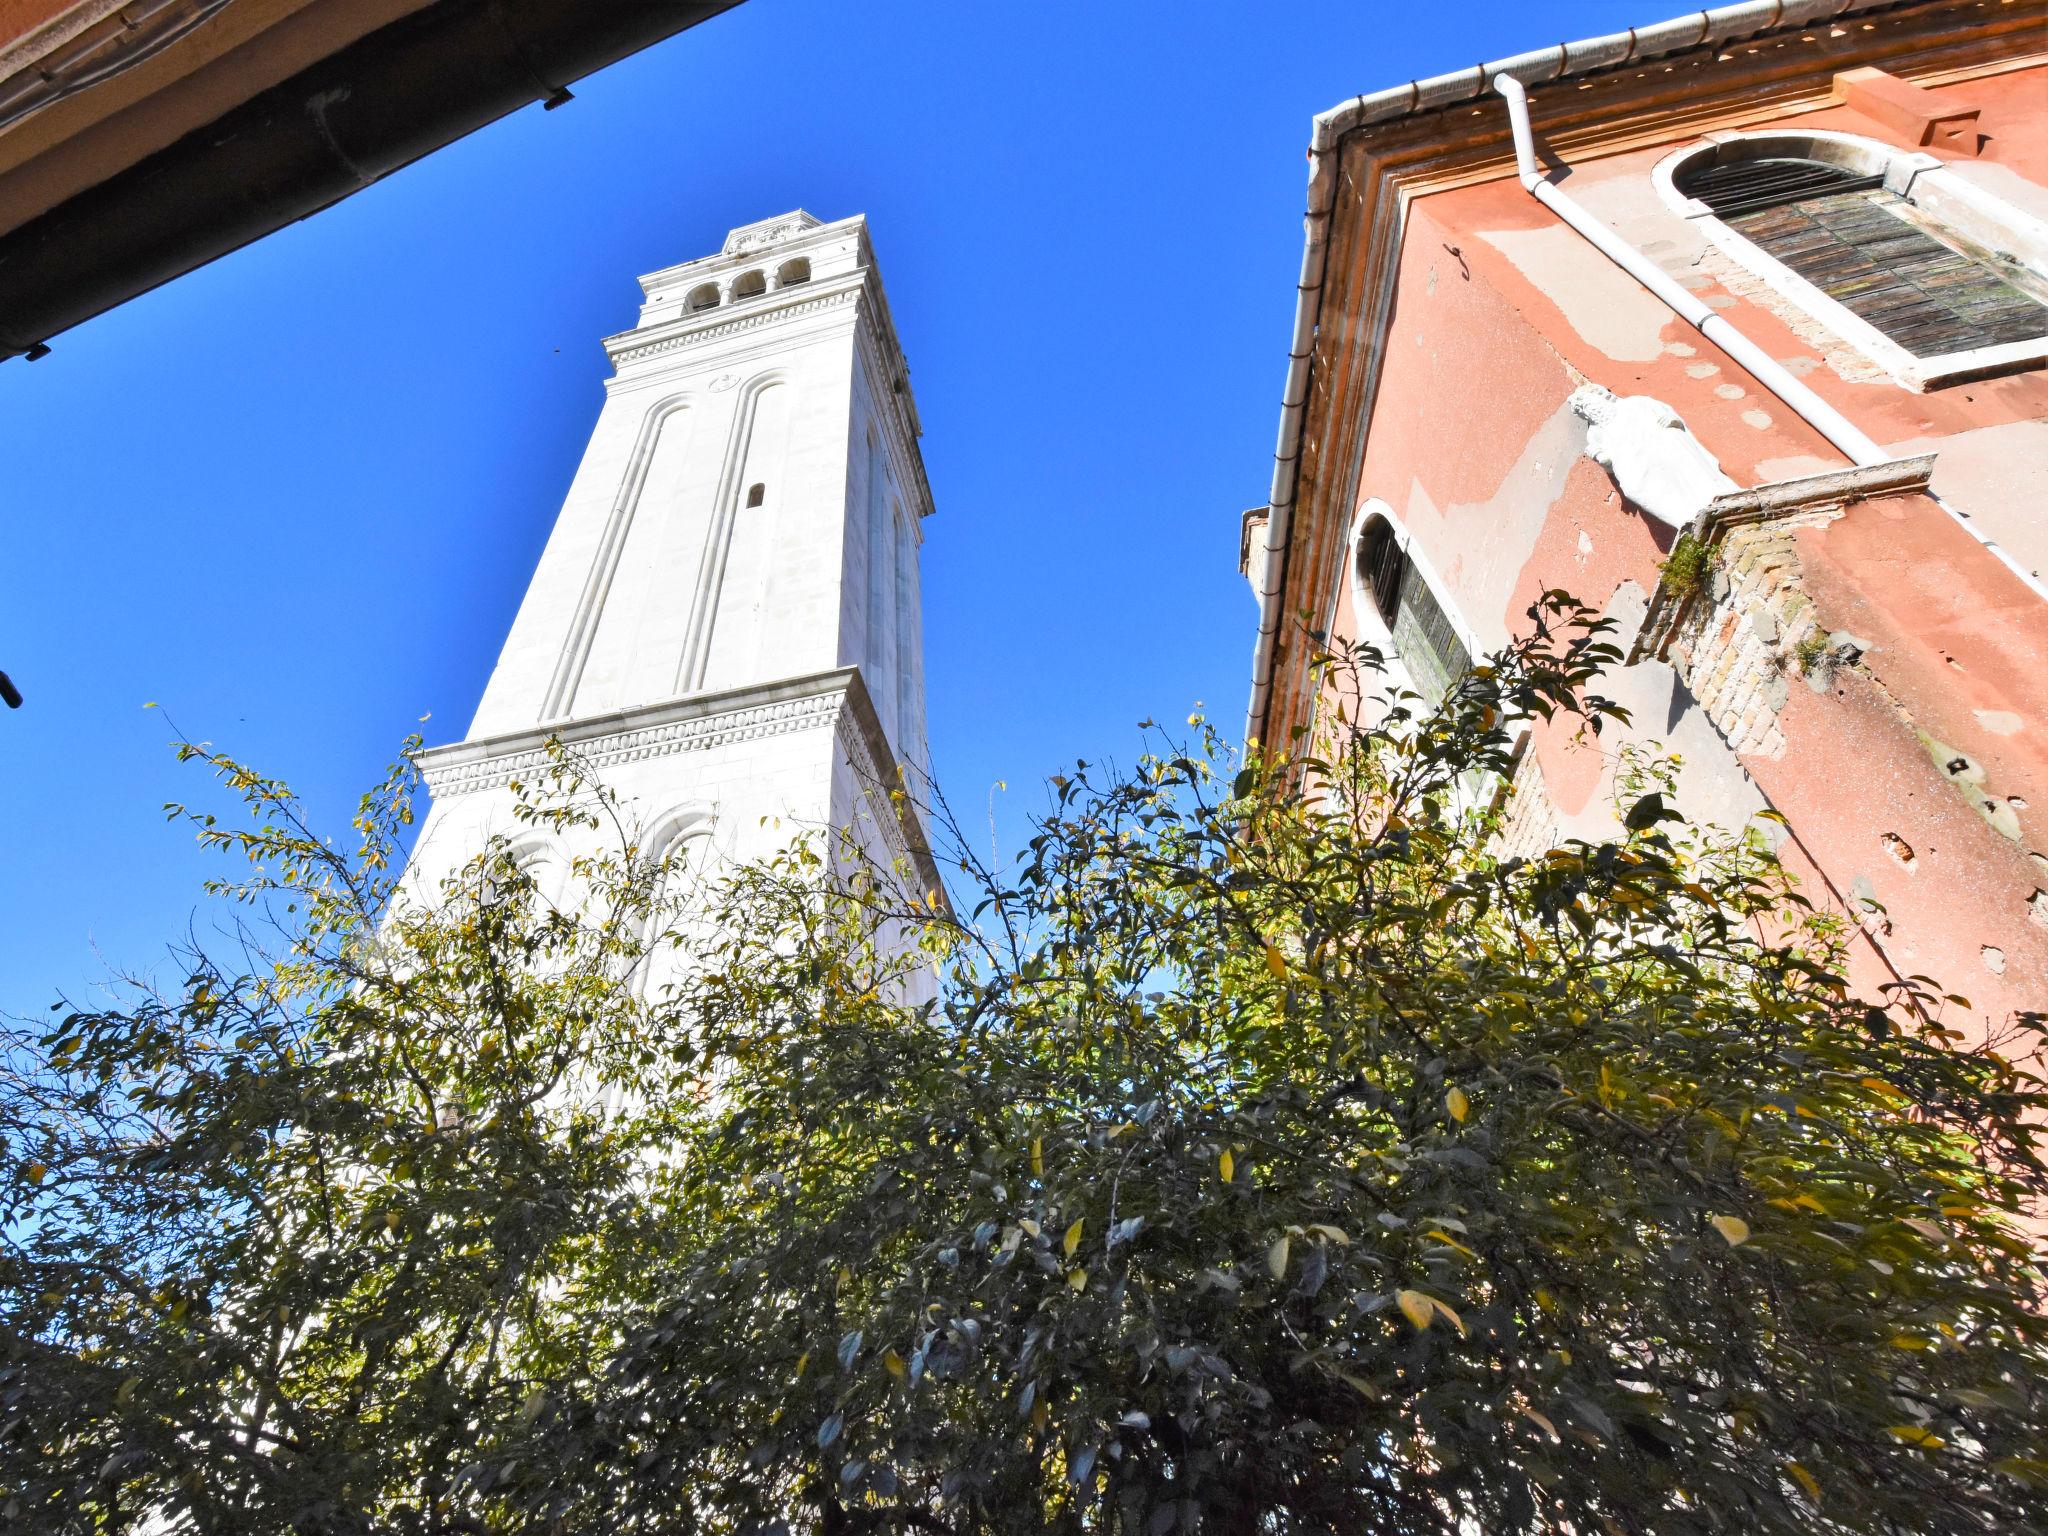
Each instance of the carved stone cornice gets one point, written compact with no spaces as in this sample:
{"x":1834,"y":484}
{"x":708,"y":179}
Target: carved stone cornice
{"x":695,"y":724}
{"x":635,"y":346}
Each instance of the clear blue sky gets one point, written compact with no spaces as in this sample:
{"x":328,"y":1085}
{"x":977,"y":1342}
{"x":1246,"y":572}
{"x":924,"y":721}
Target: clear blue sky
{"x":296,"y":496}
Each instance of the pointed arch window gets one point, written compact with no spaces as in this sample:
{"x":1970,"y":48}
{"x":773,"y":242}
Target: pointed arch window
{"x":1930,"y":277}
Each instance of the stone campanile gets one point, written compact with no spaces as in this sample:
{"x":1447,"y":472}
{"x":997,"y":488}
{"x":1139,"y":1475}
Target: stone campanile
{"x":725,"y":620}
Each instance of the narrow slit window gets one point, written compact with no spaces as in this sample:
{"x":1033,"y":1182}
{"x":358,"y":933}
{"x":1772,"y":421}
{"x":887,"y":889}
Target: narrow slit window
{"x":756,"y":494}
{"x":1865,"y":248}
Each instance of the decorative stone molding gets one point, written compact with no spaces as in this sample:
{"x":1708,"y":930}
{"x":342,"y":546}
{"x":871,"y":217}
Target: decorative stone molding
{"x":623,"y":352}
{"x":768,"y":232}
{"x":1651,"y":453}
{"x":660,"y":730}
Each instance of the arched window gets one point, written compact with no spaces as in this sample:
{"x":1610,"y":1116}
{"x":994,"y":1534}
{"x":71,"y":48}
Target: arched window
{"x":674,"y":853}
{"x":1421,"y":634}
{"x":703,"y":296}
{"x":756,"y":494}
{"x":1927,"y":275}
{"x":749,"y":285}
{"x":793,"y":272}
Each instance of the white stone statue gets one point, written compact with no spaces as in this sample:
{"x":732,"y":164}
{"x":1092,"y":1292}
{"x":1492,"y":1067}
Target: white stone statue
{"x":1653,"y":457}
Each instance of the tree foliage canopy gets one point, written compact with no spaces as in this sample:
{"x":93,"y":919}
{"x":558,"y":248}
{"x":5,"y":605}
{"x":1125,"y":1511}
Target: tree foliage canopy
{"x":1262,"y":1152}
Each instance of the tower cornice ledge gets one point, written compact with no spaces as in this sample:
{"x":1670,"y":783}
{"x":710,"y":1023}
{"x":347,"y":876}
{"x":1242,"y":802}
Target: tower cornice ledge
{"x":829,"y":700}
{"x":695,"y":722}
{"x":628,"y":347}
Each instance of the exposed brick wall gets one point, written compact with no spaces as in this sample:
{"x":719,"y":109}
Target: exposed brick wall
{"x":1739,"y":650}
{"x":1529,"y":823}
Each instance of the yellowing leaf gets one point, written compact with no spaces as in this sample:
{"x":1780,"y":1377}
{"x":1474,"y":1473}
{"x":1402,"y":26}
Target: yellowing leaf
{"x":1416,"y":1307}
{"x":1909,"y":1341}
{"x":1914,"y":1434}
{"x":1541,"y":1422}
{"x":1334,"y":1234}
{"x":1459,"y":1106}
{"x":1732,"y":1228}
{"x":1226,"y":1165}
{"x":1450,"y":1242}
{"x":1925,"y":1228}
{"x":1029,"y":1226}
{"x":1276,"y":962}
{"x":536,"y":1400}
{"x":802,"y":1360}
{"x":1037,"y":1157}
{"x":893,"y":1363}
{"x":1078,"y":1280}
{"x":34,"y":1172}
{"x":1276,"y":1256}
{"x":1457,"y":1322}
{"x":1361,"y":1386}
{"x":1040,"y":1416}
{"x":1804,"y":1479}
{"x":1072,"y":1239}
{"x":1545,"y":1300}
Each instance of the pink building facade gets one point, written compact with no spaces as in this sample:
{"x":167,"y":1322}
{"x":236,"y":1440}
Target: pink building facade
{"x":1773,"y":294}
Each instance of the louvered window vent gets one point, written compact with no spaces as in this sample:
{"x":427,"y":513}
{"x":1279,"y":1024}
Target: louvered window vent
{"x":1863,"y":247}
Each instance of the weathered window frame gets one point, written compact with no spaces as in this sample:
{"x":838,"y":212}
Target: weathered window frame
{"x":1969,"y":215}
{"x":1367,"y":622}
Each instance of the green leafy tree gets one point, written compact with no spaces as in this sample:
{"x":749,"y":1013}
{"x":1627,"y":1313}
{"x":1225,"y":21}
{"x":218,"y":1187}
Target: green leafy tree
{"x":1263,"y":1152}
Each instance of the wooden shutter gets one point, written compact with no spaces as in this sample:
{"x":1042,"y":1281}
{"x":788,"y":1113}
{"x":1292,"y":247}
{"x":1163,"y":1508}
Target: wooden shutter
{"x":1379,"y":566}
{"x":1424,"y":639}
{"x":1847,"y":236}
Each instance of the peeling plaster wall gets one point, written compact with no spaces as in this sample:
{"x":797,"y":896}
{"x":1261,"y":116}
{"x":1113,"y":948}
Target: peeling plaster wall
{"x":1915,"y":774}
{"x":1475,"y":447}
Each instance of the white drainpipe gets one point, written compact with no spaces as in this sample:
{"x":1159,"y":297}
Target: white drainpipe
{"x":1767,"y":370}
{"x":1322,"y":183}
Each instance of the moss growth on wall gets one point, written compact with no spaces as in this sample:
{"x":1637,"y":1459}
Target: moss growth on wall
{"x":1689,"y":564}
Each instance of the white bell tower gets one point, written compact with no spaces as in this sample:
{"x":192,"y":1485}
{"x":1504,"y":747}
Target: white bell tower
{"x":725,"y":621}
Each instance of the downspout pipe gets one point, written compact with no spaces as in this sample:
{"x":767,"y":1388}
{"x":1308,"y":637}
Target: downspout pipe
{"x":1322,"y":183}
{"x":1765,"y":369}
